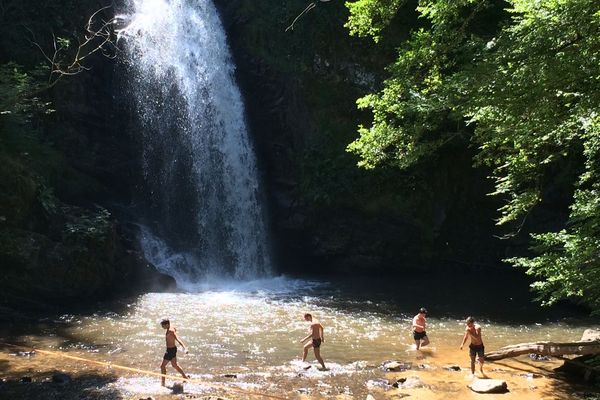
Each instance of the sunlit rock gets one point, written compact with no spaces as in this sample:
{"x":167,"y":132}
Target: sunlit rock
{"x":410,"y":382}
{"x":396,"y":366}
{"x":488,"y":386}
{"x":591,"y":335}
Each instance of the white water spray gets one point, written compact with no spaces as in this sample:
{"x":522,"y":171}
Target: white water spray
{"x":202,"y":188}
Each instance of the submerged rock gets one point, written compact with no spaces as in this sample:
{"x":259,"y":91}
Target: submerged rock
{"x":214,"y":398}
{"x":378,"y":383}
{"x":177,"y":388}
{"x":453,"y":367}
{"x":399,"y":382}
{"x":396,"y":366}
{"x":62,"y":379}
{"x":488,"y":386}
{"x":23,"y":354}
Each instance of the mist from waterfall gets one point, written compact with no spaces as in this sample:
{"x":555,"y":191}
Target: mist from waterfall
{"x":201,"y":192}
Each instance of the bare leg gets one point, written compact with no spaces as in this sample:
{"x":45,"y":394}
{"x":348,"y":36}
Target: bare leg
{"x":178,"y":368}
{"x":306,"y":347}
{"x":425,"y":341}
{"x":163,"y":370}
{"x":418,"y":343}
{"x":318,"y":356}
{"x":473,"y":364}
{"x":481,"y":360}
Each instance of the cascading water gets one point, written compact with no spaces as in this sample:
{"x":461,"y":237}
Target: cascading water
{"x":201,"y":183}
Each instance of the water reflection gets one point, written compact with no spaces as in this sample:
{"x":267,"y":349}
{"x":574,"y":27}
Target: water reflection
{"x":246,"y":336}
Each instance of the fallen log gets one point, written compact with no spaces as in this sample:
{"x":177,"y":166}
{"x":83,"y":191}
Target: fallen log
{"x":545,"y":349}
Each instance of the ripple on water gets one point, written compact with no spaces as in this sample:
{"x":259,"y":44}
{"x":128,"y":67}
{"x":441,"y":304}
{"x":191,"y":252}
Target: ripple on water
{"x":254,"y":335}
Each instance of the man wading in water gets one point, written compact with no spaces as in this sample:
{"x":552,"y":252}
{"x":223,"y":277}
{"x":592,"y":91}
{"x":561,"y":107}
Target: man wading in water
{"x":316,"y":333}
{"x":476,"y":348}
{"x":171,"y":354}
{"x":419,"y":334}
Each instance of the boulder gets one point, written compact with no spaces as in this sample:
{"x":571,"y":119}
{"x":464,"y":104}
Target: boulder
{"x":591,"y":335}
{"x":488,"y":386}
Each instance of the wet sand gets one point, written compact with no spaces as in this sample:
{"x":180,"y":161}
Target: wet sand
{"x":526,"y":379}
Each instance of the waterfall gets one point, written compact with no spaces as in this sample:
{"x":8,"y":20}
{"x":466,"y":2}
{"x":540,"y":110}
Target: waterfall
{"x":201,"y":191}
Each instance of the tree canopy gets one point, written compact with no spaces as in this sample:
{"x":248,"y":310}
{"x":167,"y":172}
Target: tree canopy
{"x":521,"y":80}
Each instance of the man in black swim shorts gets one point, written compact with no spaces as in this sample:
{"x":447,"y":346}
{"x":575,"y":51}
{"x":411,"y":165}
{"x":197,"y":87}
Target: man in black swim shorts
{"x":476,"y":348}
{"x":316,"y":333}
{"x":171,"y":353}
{"x":418,"y":324}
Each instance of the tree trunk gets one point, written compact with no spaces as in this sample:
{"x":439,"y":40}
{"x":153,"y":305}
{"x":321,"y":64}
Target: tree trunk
{"x":545,"y":349}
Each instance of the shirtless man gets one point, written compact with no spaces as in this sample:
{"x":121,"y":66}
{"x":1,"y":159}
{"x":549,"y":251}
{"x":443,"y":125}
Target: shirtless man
{"x":418,"y":324}
{"x":316,"y":334}
{"x":171,"y":354}
{"x":473,"y":331}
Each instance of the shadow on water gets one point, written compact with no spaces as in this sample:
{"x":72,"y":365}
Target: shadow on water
{"x":4,"y":366}
{"x":89,"y":387}
{"x":501,"y":296}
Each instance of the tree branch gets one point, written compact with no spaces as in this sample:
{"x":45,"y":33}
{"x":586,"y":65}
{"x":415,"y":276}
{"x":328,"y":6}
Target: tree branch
{"x":309,"y":7}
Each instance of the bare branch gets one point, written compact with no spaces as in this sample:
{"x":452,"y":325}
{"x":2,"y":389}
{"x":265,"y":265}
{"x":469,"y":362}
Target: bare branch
{"x":67,"y":62}
{"x":309,"y":7}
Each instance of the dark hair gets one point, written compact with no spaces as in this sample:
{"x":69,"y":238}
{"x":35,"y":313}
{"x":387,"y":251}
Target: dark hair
{"x":165,"y":322}
{"x":470,"y":319}
{"x":423,"y":310}
{"x":307,"y":315}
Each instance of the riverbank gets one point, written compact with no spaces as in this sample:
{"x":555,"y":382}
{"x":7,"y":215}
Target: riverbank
{"x":41,"y":376}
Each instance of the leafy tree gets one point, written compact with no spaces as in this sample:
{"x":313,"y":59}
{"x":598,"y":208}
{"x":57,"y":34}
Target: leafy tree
{"x":521,"y":80}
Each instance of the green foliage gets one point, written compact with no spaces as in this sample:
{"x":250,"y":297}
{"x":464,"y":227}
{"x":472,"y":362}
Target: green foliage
{"x":522,"y":79}
{"x":369,"y":17}
{"x":19,"y":89}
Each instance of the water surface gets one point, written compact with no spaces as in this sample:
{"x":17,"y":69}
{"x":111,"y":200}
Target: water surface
{"x":250,"y":332}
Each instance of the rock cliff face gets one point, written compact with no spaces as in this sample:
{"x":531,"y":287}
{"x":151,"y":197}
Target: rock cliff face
{"x":65,"y":184}
{"x":70,"y":238}
{"x":329,"y":216}
{"x":67,"y":214}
